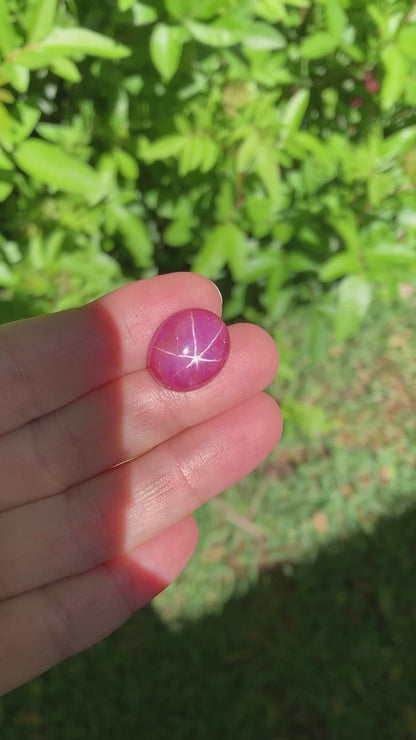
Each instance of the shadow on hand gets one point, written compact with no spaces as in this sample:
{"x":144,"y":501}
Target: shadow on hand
{"x":328,"y":653}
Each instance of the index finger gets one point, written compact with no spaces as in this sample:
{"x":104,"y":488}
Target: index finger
{"x":49,"y":361}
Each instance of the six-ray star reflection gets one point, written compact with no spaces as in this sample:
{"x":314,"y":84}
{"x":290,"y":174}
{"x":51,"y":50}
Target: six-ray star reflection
{"x":197,"y":356}
{"x":188,"y":349}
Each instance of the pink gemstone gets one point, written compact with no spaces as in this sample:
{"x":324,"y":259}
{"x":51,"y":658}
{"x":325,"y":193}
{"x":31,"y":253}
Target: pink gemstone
{"x":188,"y":349}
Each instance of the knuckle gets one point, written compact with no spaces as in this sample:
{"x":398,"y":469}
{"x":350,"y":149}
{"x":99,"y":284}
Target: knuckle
{"x":185,"y":480}
{"x":45,"y":462}
{"x":16,"y":386}
{"x":70,"y":450}
{"x":56,"y":451}
{"x":123,"y":585}
{"x":85,"y":526}
{"x":59,"y":623}
{"x":154,"y":412}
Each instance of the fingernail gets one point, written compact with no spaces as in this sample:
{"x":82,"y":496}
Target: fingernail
{"x":218,"y":291}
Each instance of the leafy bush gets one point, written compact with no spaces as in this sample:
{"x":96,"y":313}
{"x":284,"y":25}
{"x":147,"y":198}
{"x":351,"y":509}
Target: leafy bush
{"x":269,"y":144}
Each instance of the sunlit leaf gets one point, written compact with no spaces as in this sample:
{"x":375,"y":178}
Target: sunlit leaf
{"x":7,"y":277}
{"x":336,"y":19}
{"x":263,"y":36}
{"x":318,"y":45}
{"x":395,"y":78}
{"x":17,"y":76}
{"x":143,"y":14}
{"x":125,"y":4}
{"x":68,"y":41}
{"x":338,"y":266}
{"x":215,"y":251}
{"x":136,"y":238}
{"x":166,"y":49}
{"x":221,"y":33}
{"x":66,"y":69}
{"x":40,"y":18}
{"x":354,"y":299}
{"x":49,"y":164}
{"x":8,"y":37}
{"x":268,"y":170}
{"x":406,"y":40}
{"x":163,"y":148}
{"x":391,"y":255}
{"x":296,"y":109}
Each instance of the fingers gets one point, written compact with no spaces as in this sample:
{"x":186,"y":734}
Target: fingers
{"x":49,"y":361}
{"x":110,"y":514}
{"x":45,"y":626}
{"x":124,"y":419}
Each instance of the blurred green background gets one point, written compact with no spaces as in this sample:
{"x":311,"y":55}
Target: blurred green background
{"x":270,"y":145}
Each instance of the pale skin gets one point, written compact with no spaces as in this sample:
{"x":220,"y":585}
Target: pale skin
{"x":86,"y":541}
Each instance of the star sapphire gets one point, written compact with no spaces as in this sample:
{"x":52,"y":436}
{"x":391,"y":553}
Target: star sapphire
{"x":188,"y":349}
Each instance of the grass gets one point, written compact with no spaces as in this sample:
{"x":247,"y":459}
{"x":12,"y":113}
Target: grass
{"x":297,"y":616}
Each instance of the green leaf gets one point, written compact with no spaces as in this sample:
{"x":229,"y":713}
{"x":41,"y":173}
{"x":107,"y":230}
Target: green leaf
{"x":194,"y":8}
{"x":166,"y":49}
{"x":6,"y":176}
{"x":6,"y":138}
{"x":66,"y":69}
{"x":25,"y":120}
{"x":395,"y":77}
{"x":209,"y":155}
{"x":399,"y":143}
{"x":318,"y":45}
{"x":391,"y":255}
{"x":345,"y":224}
{"x":124,"y":5}
{"x":7,"y":278}
{"x":354,"y":299}
{"x":6,"y":185}
{"x":69,"y":41}
{"x":126,"y":164}
{"x":192,"y":155}
{"x":178,"y":233}
{"x":236,"y":246}
{"x":143,"y":14}
{"x":8,"y":38}
{"x":6,"y":96}
{"x":263,"y":36}
{"x":17,"y":76}
{"x":215,"y":252}
{"x":247,"y":151}
{"x":338,"y":266}
{"x":299,"y":262}
{"x":163,"y":148}
{"x":50,"y":165}
{"x":221,"y":33}
{"x":36,"y":57}
{"x":268,"y":170}
{"x":295,"y":110}
{"x":40,"y":19}
{"x":336,"y":19}
{"x":406,"y":40}
{"x":379,"y":186}
{"x":250,"y":269}
{"x":137,"y":239}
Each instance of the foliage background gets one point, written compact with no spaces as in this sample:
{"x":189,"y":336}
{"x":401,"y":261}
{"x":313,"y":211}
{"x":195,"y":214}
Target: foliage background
{"x":271,"y":146}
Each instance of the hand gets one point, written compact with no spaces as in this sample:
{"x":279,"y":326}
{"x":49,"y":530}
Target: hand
{"x":84,"y":540}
